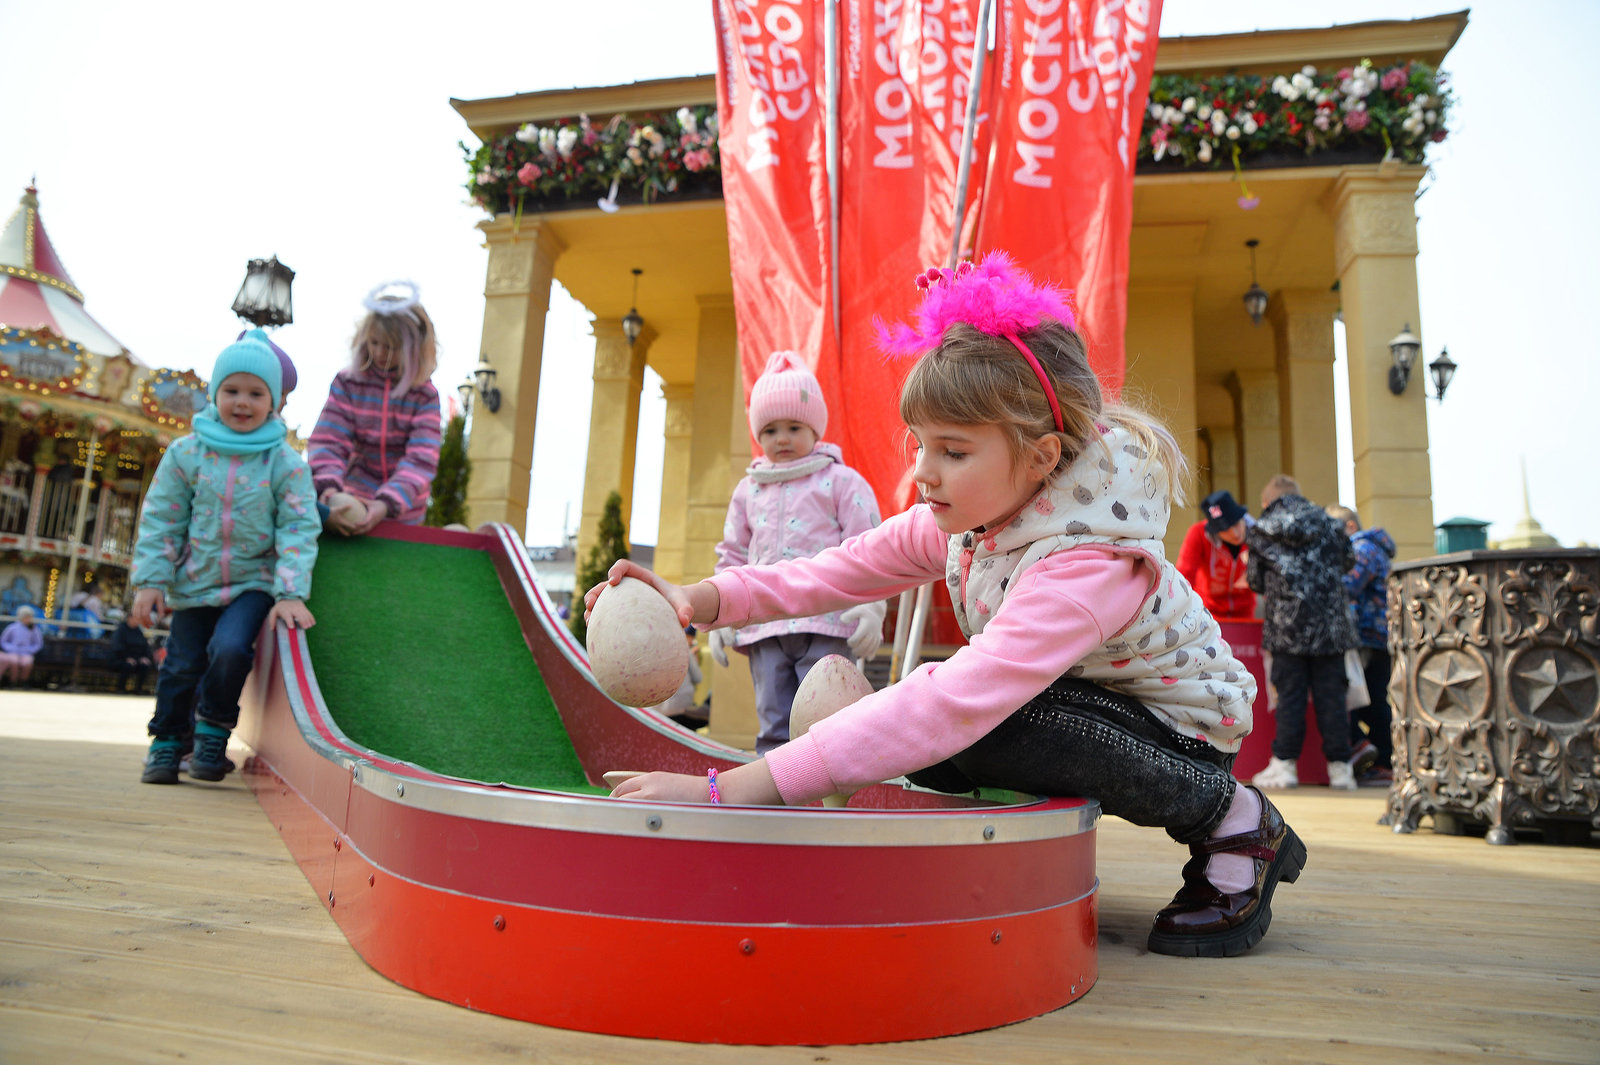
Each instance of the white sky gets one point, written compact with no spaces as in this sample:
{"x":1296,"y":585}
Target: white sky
{"x":173,"y":142}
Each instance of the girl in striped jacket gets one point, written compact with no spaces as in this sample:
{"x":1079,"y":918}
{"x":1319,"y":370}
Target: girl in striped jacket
{"x":378,"y":436}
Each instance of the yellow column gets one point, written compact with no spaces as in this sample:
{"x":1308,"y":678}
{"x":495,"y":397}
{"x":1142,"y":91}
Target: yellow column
{"x":718,"y":456}
{"x":613,"y":426}
{"x":1160,"y":347}
{"x":1255,"y":398}
{"x":516,"y":297}
{"x":1302,"y":326}
{"x":1225,"y":462}
{"x":674,"y":517}
{"x":1375,"y":251}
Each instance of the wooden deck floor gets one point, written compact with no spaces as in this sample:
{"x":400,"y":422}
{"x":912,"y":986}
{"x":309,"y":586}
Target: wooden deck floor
{"x":143,"y":924}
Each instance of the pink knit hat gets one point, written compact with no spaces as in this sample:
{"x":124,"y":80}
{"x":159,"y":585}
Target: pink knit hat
{"x":786,"y":389}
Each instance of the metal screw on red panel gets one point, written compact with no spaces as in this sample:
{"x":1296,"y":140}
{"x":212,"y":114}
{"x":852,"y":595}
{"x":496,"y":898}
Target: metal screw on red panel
{"x":988,"y":832}
{"x":400,"y":789}
{"x":499,"y":923}
{"x":994,"y":937}
{"x":747,"y":946}
{"x":653,"y":823}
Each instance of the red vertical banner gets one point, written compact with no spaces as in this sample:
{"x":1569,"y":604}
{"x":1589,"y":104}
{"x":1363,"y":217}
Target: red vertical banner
{"x":905,"y":68}
{"x":771,"y":129}
{"x":1072,"y":83}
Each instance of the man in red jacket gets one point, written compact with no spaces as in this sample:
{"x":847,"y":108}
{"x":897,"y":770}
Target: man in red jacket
{"x":1212,"y":558}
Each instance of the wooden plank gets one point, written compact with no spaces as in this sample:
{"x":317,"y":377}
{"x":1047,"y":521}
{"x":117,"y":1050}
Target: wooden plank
{"x":140,"y":922}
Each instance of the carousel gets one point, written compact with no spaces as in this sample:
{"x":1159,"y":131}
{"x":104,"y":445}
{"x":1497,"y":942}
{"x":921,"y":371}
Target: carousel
{"x":83,"y":424}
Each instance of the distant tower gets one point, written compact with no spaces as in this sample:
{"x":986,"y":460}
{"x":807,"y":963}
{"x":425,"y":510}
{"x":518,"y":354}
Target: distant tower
{"x":1527,"y":532}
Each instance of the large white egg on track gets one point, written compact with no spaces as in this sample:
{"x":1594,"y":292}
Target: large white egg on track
{"x":833,"y":684}
{"x":637,"y":651}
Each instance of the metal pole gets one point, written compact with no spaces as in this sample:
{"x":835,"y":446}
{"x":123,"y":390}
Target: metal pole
{"x":908,"y":645}
{"x":81,"y":518}
{"x":980,"y":46}
{"x":831,"y":153}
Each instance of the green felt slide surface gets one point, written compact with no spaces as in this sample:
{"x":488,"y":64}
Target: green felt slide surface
{"x":420,"y":657}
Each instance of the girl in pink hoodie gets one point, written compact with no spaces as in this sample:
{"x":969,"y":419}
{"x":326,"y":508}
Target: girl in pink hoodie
{"x":1092,"y":669}
{"x":794,"y":501}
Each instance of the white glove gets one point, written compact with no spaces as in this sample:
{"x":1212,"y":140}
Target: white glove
{"x":721,"y":639}
{"x":868,"y":637}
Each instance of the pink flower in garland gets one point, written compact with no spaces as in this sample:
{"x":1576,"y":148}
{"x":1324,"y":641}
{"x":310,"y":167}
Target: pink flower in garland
{"x":1356,"y":121}
{"x":529,"y":173}
{"x":1392,"y":80}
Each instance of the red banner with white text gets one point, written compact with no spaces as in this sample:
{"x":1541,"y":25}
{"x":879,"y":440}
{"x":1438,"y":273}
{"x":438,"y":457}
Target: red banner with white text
{"x":905,"y":71}
{"x":774,"y":185}
{"x":1072,"y":82}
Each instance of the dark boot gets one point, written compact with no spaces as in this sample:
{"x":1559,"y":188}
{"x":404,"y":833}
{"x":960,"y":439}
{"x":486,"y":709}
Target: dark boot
{"x":1203,"y":922}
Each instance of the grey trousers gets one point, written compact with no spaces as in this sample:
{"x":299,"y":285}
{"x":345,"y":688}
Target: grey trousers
{"x":777,"y":666}
{"x":1081,"y":740}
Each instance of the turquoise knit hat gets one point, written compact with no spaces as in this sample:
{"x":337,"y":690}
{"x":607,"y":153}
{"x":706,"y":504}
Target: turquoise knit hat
{"x":251,"y":355}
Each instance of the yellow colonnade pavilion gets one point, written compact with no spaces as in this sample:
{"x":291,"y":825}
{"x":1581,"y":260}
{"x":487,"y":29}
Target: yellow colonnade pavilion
{"x":1337,"y":236}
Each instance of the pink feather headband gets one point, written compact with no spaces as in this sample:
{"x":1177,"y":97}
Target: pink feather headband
{"x":996,"y":297}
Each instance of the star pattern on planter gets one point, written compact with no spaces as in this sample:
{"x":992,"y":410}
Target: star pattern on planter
{"x":1449,"y":685}
{"x":1555,"y":684}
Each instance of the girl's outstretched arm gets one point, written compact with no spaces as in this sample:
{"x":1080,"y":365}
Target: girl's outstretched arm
{"x":694,"y":604}
{"x":750,"y":784}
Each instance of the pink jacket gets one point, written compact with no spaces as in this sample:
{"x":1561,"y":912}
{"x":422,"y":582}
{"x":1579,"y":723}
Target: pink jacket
{"x":1059,"y":610}
{"x":794,"y":510}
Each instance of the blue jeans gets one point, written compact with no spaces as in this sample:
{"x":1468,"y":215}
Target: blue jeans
{"x":209,"y":655}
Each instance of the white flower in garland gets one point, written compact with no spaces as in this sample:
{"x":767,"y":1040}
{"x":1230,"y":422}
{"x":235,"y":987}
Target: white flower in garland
{"x":1204,"y":151}
{"x":565,"y":140}
{"x":1189,"y":105}
{"x":527,"y":133}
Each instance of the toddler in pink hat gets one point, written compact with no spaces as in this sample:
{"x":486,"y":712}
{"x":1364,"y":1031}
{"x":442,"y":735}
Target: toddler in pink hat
{"x":795,"y":500}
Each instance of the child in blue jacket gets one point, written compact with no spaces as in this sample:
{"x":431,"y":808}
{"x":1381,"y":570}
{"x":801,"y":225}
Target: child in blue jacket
{"x":227,"y":540}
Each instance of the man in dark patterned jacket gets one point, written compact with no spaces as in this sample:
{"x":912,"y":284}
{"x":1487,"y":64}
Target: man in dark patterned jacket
{"x":1297,"y":561}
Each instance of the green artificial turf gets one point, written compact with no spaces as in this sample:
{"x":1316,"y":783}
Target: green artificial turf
{"x":420,"y":657}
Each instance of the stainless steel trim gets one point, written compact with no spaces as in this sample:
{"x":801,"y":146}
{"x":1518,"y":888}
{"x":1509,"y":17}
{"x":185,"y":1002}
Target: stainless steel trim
{"x":807,"y":826}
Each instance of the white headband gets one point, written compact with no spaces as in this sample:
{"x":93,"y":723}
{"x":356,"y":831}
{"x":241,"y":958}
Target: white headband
{"x":394,"y":297}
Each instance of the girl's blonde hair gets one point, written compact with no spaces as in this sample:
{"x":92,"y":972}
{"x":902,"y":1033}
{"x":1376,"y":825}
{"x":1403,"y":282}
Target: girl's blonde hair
{"x":409,"y":332}
{"x":972,"y":378}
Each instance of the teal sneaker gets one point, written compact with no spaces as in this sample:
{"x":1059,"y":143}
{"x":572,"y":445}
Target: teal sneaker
{"x":210,"y":758}
{"x":161,"y":766}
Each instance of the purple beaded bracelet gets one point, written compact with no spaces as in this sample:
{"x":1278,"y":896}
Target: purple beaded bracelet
{"x":711,"y":781}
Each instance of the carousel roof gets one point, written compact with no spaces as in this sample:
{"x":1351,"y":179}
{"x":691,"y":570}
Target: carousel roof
{"x":35,"y":290}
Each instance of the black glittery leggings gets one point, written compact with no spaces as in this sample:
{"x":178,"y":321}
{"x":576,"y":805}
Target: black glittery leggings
{"x":1079,"y":739}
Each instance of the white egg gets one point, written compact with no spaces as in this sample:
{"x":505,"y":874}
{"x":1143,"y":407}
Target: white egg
{"x":636,"y":647}
{"x":833,"y":684}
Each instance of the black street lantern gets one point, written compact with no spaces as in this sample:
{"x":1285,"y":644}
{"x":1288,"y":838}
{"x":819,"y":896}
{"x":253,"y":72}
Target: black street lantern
{"x":1441,"y":370}
{"x":264,"y":298}
{"x":1255,"y":297}
{"x":1403,"y":350}
{"x":633,"y":322}
{"x":486,"y":375}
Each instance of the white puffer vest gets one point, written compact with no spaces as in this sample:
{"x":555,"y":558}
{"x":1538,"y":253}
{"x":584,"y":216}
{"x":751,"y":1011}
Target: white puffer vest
{"x":1172,"y":656}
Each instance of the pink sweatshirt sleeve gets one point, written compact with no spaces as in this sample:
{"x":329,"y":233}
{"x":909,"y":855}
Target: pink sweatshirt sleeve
{"x":1060,"y":609}
{"x":906,"y":551}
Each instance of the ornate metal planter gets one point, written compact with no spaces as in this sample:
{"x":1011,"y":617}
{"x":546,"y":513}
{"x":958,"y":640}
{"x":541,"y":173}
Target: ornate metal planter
{"x":1496,"y":692}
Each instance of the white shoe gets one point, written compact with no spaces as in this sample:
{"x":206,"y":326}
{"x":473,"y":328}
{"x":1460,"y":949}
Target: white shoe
{"x":1341,"y":776}
{"x":1280,"y":773}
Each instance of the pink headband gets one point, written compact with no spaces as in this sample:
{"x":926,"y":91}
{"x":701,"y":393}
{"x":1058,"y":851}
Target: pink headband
{"x":1038,"y":370}
{"x":996,"y":297}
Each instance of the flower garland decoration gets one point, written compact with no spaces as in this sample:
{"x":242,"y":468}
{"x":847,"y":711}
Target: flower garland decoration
{"x":1217,"y":120}
{"x":650,"y":154}
{"x":1193,"y":122}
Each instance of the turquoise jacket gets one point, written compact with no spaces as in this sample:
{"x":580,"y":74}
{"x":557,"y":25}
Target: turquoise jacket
{"x":215,"y":526}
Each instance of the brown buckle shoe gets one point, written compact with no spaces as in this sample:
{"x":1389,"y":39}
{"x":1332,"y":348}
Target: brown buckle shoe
{"x":1203,"y":922}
